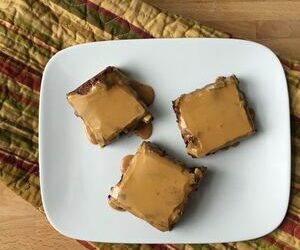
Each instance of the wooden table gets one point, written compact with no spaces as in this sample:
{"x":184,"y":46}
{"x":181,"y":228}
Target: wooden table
{"x":275,"y":23}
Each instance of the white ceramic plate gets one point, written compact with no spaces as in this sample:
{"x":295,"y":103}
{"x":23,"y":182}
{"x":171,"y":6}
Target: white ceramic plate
{"x":245,"y":194}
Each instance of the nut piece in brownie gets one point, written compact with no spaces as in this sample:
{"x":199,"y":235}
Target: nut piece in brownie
{"x":108,"y":106}
{"x":155,"y":187}
{"x":214,"y":117}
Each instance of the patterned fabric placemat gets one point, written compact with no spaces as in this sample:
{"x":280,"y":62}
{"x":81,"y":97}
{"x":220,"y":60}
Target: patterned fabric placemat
{"x":32,"y":31}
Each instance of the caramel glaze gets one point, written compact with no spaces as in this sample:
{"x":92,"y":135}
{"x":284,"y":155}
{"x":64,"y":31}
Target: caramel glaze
{"x":144,"y":130}
{"x":145,"y":92}
{"x":112,"y":203}
{"x":125,"y":163}
{"x":147,"y":95}
{"x":90,"y":135}
{"x":123,"y":167}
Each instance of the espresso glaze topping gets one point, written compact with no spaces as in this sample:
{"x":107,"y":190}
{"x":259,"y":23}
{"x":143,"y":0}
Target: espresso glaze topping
{"x":213,"y":117}
{"x":144,"y":130}
{"x":113,"y":204}
{"x":125,"y":163}
{"x":108,"y":107}
{"x":155,"y":188}
{"x":145,"y":92}
{"x":90,"y":135}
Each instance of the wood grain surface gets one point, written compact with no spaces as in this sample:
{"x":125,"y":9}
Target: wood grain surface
{"x":24,"y":227}
{"x":275,"y":23}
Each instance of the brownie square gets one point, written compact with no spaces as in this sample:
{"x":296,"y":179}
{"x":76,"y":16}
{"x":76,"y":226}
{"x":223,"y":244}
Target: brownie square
{"x":108,"y":106}
{"x":155,"y":187}
{"x":214,"y":117}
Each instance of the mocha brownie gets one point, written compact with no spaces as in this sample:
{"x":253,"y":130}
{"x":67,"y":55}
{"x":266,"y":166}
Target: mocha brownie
{"x":108,"y":106}
{"x":214,"y":117}
{"x":155,"y":187}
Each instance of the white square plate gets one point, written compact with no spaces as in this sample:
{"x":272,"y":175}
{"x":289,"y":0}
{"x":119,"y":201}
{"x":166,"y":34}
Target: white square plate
{"x":245,"y":194}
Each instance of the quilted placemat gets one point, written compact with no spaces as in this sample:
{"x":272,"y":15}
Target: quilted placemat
{"x":32,"y":31}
